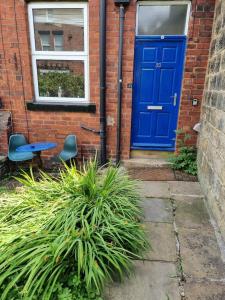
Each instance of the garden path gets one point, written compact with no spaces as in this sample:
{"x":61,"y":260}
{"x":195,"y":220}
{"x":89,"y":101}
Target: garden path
{"x":185,"y":263}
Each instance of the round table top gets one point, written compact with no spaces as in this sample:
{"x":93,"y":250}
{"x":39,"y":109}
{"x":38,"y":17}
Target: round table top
{"x":34,"y":147}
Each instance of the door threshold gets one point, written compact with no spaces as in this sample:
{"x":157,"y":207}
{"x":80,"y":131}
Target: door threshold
{"x":150,"y":154}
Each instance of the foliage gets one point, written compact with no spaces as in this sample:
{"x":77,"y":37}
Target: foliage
{"x":186,"y":158}
{"x":72,"y":85}
{"x":64,"y":238}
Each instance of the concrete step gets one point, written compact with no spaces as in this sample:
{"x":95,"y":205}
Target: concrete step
{"x":152,"y":169}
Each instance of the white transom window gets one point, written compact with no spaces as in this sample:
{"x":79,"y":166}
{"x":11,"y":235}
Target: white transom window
{"x":162,"y":17}
{"x":59,"y":45}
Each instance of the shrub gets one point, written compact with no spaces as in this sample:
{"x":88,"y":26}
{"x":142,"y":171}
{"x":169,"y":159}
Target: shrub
{"x":186,"y":158}
{"x":64,"y":238}
{"x":71,"y":85}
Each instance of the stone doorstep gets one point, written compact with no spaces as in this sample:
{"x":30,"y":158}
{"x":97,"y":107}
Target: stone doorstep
{"x":143,"y":162}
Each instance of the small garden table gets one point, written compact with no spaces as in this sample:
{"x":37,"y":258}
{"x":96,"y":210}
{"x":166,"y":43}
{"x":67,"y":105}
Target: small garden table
{"x":36,"y":148}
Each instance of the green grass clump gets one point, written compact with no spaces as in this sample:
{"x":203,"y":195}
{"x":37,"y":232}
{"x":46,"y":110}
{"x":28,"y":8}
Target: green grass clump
{"x":64,"y":238}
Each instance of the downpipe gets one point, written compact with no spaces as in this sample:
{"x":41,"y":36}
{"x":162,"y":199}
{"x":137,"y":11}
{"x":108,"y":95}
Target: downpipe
{"x":120,"y":83}
{"x":102,"y":79}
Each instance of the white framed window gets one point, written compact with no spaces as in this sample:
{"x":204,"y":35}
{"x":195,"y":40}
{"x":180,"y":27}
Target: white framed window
{"x":59,"y":45}
{"x":162,"y":17}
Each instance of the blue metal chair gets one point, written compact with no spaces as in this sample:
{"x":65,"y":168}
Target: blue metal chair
{"x":15,"y":141}
{"x":70,"y":150}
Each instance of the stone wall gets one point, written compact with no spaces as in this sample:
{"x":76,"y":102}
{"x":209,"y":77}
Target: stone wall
{"x":211,"y":155}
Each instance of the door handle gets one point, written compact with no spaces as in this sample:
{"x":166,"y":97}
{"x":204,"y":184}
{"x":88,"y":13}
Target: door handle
{"x":174,"y":99}
{"x":154,"y":107}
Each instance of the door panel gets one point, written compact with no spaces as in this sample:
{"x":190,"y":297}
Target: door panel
{"x":147,"y":79}
{"x":144,"y":131}
{"x":162,"y":124}
{"x":166,"y":85}
{"x":157,"y":84}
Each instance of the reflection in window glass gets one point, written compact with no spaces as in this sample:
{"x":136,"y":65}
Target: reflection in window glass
{"x":69,"y":21}
{"x":58,"y":42}
{"x":61,"y":79}
{"x":45,"y":41}
{"x":162,"y":19}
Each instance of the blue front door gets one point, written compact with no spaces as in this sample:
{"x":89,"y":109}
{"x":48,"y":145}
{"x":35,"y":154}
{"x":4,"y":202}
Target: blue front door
{"x":158,"y":70}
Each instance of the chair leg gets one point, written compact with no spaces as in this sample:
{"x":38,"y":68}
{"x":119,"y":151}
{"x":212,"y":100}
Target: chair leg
{"x":10,"y":167}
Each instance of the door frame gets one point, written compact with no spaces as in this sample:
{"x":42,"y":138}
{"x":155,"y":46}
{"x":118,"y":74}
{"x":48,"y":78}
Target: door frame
{"x":182,"y":38}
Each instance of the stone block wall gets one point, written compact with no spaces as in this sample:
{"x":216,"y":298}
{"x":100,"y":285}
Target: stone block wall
{"x":211,"y":144}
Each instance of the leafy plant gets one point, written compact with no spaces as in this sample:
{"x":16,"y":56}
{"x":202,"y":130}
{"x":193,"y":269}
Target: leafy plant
{"x":186,"y":158}
{"x":71,"y":85}
{"x":64,"y":238}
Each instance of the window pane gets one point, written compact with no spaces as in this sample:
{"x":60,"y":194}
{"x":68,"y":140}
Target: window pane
{"x":45,"y":40}
{"x":69,"y":21}
{"x":58,"y":42}
{"x":162,"y":19}
{"x":61,"y":78}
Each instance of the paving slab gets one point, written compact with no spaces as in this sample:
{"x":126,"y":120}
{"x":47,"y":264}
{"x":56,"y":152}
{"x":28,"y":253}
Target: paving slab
{"x":154,"y":189}
{"x":205,"y":291}
{"x":185,"y":188}
{"x":200,"y":253}
{"x":151,"y":281}
{"x":181,"y":197}
{"x":157,"y":210}
{"x":191,"y":213}
{"x":162,"y":238}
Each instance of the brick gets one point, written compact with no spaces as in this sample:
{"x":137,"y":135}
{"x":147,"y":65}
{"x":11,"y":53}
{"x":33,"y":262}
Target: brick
{"x":17,"y":84}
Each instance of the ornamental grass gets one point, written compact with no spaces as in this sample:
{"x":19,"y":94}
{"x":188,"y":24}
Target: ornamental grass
{"x":66,"y":237}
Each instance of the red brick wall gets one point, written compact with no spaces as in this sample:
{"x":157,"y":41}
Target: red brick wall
{"x":199,"y":37}
{"x":16,"y":85}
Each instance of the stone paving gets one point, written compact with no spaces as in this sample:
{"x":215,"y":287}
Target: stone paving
{"x":185,"y":262}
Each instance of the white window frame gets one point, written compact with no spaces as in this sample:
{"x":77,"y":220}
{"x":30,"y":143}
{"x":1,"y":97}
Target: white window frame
{"x":59,"y":55}
{"x":165,"y":3}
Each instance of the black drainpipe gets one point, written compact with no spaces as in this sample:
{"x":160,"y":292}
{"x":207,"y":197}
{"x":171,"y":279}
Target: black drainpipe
{"x":120,"y":84}
{"x":102,"y":50}
{"x":122,"y":4}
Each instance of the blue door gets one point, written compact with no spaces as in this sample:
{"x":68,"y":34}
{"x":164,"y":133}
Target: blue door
{"x":158,"y":70}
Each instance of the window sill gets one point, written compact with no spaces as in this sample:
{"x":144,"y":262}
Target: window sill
{"x":67,"y":107}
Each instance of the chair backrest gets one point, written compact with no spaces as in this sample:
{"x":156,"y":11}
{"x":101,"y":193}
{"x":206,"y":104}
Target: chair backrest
{"x":70,"y":144}
{"x":15,"y":141}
